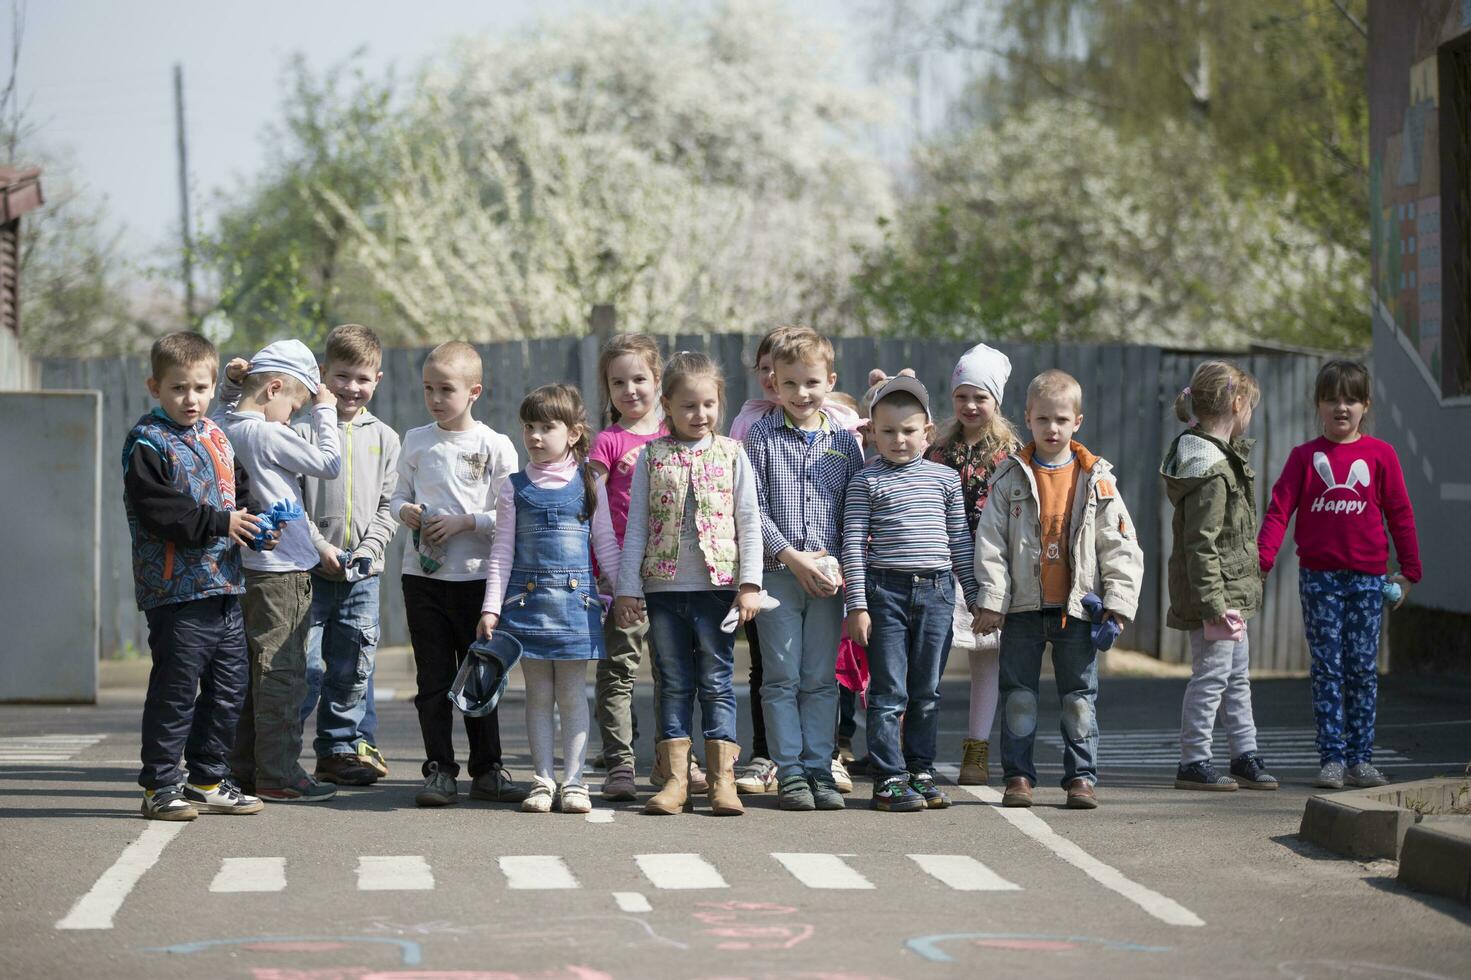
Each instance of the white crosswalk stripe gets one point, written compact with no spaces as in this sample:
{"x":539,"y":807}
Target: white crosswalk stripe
{"x":679,"y":871}
{"x":394,"y":873}
{"x":259,"y":874}
{"x":827,"y":871}
{"x":535,"y":872}
{"x":45,"y":748}
{"x":963,"y":873}
{"x":1154,"y":747}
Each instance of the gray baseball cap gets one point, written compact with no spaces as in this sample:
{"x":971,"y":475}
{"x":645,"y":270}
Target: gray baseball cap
{"x":902,"y":383}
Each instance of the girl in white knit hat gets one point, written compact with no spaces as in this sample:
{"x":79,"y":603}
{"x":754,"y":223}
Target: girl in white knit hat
{"x":972,"y":443}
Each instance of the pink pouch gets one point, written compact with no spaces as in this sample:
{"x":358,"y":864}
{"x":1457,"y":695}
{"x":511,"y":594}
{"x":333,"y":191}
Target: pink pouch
{"x":852,"y":666}
{"x":1234,"y":629}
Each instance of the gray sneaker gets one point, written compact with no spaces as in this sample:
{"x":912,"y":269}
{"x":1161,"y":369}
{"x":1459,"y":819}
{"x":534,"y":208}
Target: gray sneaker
{"x":825,"y":793}
{"x":1330,"y":776}
{"x":796,"y":794}
{"x":1364,"y":774}
{"x":496,"y":786}
{"x":439,"y":788}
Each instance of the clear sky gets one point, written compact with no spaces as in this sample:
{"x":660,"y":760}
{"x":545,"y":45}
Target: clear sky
{"x":96,"y":75}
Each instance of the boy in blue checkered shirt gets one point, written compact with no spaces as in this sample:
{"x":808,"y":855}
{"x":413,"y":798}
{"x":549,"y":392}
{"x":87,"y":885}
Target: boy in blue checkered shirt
{"x":802,"y":461}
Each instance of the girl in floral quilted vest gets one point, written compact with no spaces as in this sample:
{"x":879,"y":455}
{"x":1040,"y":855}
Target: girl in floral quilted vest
{"x":691,"y":558}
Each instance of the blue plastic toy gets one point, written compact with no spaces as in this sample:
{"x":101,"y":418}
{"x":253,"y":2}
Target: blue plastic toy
{"x":1105,"y":631}
{"x":272,"y":520}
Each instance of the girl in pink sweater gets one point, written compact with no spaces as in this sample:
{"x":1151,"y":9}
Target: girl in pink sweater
{"x":1344,"y":487}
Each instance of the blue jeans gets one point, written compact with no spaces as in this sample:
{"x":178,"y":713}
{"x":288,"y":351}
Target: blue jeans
{"x":693,"y":655}
{"x":1341,"y":614}
{"x":799,"y":687}
{"x":342,"y":639}
{"x":907,"y":649}
{"x":1075,"y":665}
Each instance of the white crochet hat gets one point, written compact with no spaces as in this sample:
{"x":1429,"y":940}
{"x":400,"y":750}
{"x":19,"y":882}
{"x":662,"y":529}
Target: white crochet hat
{"x":290,"y":357}
{"x":984,"y":367}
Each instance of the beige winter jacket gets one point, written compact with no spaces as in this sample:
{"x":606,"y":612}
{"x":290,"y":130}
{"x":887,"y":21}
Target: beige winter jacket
{"x":1103,"y":544}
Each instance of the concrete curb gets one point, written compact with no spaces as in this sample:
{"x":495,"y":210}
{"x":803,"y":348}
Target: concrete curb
{"x":1372,"y":823}
{"x":1436,"y":858}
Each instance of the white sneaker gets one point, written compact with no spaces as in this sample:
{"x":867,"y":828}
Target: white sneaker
{"x":758,"y":776}
{"x":224,"y":798}
{"x":841,"y":779}
{"x":168,"y":803}
{"x":539,"y":800}
{"x":575,"y":799}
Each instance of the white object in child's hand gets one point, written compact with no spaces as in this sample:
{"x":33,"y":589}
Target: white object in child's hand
{"x":733,"y":618}
{"x":828,"y":568}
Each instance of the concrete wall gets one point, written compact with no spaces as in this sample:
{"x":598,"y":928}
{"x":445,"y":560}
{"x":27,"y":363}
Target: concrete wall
{"x":50,"y":480}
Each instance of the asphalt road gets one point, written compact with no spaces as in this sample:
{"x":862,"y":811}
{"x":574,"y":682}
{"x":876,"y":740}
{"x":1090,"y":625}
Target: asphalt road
{"x":1155,"y":883}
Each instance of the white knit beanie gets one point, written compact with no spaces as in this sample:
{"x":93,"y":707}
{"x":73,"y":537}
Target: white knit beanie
{"x":985,"y":367}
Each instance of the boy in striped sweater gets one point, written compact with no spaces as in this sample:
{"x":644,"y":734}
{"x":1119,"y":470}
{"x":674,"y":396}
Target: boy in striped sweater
{"x":905,"y":535}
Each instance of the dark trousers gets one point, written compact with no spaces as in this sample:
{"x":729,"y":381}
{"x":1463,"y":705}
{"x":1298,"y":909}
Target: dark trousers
{"x":758,"y":720}
{"x":195,"y":690}
{"x":442,"y":618}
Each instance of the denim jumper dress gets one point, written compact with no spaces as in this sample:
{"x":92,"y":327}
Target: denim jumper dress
{"x":552,"y":605}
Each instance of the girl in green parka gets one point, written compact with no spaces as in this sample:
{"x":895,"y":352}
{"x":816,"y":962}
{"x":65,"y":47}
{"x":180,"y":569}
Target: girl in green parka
{"x":1215,"y":584}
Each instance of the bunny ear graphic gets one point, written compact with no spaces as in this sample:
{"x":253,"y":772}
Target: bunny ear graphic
{"x":1325,"y":470}
{"x":1358,"y":474}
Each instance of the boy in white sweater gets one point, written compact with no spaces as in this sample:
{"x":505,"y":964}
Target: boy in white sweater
{"x":280,"y":380}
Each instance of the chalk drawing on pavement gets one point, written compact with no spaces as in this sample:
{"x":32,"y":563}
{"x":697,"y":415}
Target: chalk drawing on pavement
{"x":929,"y":946}
{"x":741,"y":926}
{"x":410,"y":952}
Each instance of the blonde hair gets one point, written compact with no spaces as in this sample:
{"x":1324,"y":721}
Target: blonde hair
{"x":353,"y":344}
{"x":621,"y":345}
{"x":1212,"y":392}
{"x":1055,"y":383}
{"x":458,"y":358}
{"x":182,"y":349}
{"x":802,"y":345}
{"x":687,"y":366}
{"x":291,"y":385}
{"x":999,"y":435}
{"x":768,"y":342}
{"x":563,"y":403}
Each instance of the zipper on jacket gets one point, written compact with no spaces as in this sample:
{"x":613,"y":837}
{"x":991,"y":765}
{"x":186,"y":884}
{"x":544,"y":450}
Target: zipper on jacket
{"x":347,"y":519}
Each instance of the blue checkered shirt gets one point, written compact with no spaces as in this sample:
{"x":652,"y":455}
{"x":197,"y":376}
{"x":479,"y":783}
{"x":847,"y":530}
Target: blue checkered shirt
{"x":800,"y":484}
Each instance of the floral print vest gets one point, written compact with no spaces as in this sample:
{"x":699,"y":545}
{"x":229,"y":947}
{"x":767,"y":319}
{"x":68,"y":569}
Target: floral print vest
{"x":673,"y":467}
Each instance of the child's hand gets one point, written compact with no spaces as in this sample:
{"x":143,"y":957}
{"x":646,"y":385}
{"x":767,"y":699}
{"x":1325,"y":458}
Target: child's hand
{"x":1120,"y":621}
{"x":748,"y":603}
{"x":244,"y":526}
{"x":236,"y":369}
{"x":329,"y":563}
{"x":977,"y":621}
{"x":324,"y":396}
{"x":803,"y":565}
{"x":988,"y":622}
{"x":441,"y":527}
{"x":860,"y":625}
{"x":1404,"y":585}
{"x":409,"y":514}
{"x":487,"y":625}
{"x":628,"y":611}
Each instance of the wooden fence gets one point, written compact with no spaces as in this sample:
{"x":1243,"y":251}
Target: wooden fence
{"x":1128,"y":394}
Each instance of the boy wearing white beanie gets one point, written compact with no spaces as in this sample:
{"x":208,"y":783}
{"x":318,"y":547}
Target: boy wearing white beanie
{"x":973,"y":443}
{"x":276,"y":384}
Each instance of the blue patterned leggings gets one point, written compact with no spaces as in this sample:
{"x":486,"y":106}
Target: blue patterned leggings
{"x":1341,"y":612}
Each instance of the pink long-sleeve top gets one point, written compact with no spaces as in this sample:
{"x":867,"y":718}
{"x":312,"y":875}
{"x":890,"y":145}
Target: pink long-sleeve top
{"x":1344,"y":493}
{"x":503,"y":550}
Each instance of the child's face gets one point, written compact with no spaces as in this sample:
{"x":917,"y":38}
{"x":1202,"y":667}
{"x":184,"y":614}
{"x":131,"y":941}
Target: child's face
{"x":1341,"y":417}
{"x":899,"y":432}
{"x":693,"y":408}
{"x":1243,"y":416}
{"x":448,"y":396}
{"x":280,"y":401}
{"x":766,"y":377}
{"x":802,"y":388}
{"x":353,"y":384}
{"x":973,"y":407}
{"x":184,"y":393}
{"x":548,"y":442}
{"x":1053,"y":422}
{"x":632,"y":386}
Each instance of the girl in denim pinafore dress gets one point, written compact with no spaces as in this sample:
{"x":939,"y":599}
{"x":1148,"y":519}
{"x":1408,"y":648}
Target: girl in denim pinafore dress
{"x":550,"y":520}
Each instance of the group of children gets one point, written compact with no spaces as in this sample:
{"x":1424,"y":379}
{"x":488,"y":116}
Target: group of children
{"x":258,"y":550}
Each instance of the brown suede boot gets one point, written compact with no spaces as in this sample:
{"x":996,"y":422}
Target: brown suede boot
{"x":720,"y":757}
{"x":975,"y":766}
{"x":674,"y":759}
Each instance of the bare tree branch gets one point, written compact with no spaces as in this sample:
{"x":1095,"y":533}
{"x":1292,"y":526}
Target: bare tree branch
{"x":1357,"y":24}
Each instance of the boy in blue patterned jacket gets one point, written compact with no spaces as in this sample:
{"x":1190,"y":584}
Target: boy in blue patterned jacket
{"x":179,"y":494}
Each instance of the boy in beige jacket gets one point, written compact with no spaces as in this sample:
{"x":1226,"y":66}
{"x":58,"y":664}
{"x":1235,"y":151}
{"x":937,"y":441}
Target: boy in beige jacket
{"x":1054,"y":528}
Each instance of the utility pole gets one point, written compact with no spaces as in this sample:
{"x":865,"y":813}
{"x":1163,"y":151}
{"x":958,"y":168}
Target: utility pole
{"x":184,"y":193}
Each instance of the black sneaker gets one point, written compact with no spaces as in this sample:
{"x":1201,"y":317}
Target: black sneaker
{"x":1203,"y":775}
{"x":168,"y":803}
{"x":1250,"y":771}
{"x":924,"y":784}
{"x":796,"y":794}
{"x":304,"y":790}
{"x":224,"y":798}
{"x":439,"y":789}
{"x":496,"y":786}
{"x":895,"y":795}
{"x":825,"y":792}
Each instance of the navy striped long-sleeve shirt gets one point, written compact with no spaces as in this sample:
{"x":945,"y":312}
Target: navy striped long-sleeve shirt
{"x":909,"y":518}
